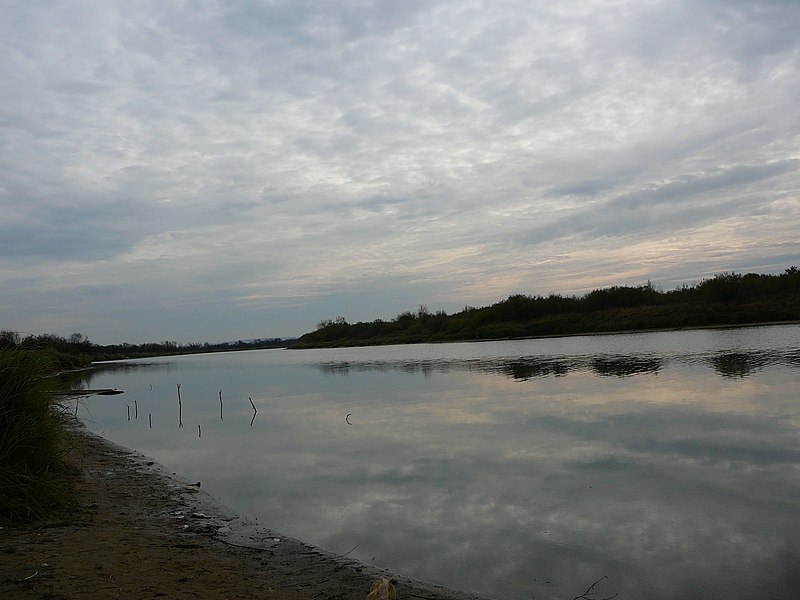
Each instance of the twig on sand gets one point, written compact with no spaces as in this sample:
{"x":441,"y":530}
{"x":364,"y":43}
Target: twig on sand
{"x":351,"y":549}
{"x":590,"y":592}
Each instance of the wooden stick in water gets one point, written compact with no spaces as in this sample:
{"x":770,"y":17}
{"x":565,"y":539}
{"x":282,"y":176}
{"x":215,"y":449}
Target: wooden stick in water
{"x":180,"y":407}
{"x":255,"y":411}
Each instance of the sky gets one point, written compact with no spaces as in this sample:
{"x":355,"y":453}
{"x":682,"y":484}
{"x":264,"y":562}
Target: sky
{"x":222,"y":170}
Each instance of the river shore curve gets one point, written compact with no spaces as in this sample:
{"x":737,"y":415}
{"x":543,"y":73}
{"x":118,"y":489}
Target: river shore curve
{"x":143,"y":532}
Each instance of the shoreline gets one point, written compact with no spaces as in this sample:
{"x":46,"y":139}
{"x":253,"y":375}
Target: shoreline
{"x":141,"y":531}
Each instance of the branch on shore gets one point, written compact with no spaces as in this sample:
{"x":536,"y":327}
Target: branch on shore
{"x":590,"y":593}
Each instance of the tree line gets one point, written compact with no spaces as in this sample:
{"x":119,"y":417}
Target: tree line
{"x":725,"y":299}
{"x":77,"y":351}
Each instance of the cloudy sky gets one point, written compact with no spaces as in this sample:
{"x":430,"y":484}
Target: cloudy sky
{"x":206,"y":171}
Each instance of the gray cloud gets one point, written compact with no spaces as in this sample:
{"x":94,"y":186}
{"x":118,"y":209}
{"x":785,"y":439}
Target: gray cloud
{"x":301,"y":148}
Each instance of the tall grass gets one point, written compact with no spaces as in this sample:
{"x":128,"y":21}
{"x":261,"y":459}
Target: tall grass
{"x":31,"y":437}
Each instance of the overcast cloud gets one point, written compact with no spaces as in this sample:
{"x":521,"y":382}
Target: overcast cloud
{"x":207,"y":171}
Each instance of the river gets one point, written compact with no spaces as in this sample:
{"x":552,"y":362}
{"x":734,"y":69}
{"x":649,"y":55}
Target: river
{"x":667,"y":462}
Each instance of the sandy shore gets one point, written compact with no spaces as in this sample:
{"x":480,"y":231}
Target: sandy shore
{"x":141,"y":532}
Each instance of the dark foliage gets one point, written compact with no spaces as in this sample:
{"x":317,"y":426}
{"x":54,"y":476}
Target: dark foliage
{"x":726,"y":299}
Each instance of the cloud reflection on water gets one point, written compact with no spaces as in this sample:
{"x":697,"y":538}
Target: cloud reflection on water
{"x":675,"y":475}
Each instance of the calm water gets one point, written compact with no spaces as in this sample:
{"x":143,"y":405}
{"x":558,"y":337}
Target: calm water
{"x":669,"y":462}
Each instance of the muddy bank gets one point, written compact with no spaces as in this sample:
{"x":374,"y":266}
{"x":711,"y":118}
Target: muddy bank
{"x":142,"y":532}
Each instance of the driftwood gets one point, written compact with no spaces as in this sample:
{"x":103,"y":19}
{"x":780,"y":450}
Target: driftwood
{"x":97,"y":392}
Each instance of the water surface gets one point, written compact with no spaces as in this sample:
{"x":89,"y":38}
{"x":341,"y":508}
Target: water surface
{"x":668,"y":462}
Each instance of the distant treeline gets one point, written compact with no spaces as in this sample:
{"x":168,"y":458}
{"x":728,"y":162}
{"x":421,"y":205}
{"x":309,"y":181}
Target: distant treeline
{"x":726,"y":299}
{"x":78,"y":351}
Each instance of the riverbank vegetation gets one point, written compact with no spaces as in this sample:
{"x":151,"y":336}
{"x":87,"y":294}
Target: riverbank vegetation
{"x":726,"y":299}
{"x":31,"y":434}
